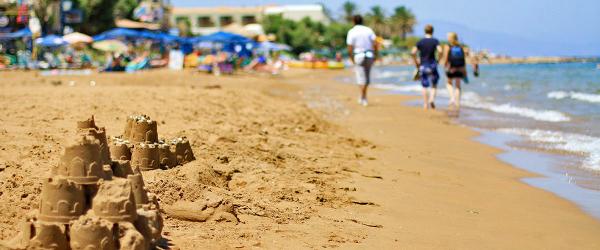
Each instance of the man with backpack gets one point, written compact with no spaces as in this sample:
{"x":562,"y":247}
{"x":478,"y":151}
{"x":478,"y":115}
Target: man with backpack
{"x":426,"y":63}
{"x":455,"y":64}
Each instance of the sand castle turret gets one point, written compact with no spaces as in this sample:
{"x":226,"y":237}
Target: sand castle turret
{"x":62,"y":201}
{"x":48,"y":236}
{"x":166,"y":157}
{"x":82,"y":162}
{"x":120,"y":150}
{"x":141,"y":129}
{"x":92,"y":233}
{"x":145,"y":157}
{"x":89,"y":127}
{"x":115,"y":202}
{"x":183,"y":150}
{"x":140,"y":144}
{"x":92,"y":203}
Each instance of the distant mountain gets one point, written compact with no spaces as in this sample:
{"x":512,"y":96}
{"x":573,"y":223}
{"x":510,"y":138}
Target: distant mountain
{"x":507,"y":44}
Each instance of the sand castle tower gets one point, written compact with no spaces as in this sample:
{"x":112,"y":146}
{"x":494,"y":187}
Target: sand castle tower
{"x":91,"y":202}
{"x":140,"y":144}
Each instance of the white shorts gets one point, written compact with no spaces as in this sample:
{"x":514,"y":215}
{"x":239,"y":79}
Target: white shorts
{"x":362,"y":69}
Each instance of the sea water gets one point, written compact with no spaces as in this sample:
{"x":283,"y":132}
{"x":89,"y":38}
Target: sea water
{"x":549,"y":110}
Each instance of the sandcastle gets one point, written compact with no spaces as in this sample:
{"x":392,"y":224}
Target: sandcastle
{"x":140,"y":144}
{"x":96,"y":198}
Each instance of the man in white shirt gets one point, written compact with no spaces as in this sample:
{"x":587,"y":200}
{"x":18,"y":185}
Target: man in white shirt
{"x":362,"y":49}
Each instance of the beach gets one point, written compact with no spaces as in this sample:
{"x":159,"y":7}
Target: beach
{"x":302,"y":164}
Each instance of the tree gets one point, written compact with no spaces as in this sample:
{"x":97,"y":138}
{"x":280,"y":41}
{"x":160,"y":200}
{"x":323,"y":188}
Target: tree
{"x":124,"y":8}
{"x":98,"y":15}
{"x":403,"y":21}
{"x":185,"y":26}
{"x":43,"y":10}
{"x":349,"y":10}
{"x":377,"y":20}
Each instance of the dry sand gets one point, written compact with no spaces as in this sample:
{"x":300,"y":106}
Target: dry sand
{"x":299,"y":163}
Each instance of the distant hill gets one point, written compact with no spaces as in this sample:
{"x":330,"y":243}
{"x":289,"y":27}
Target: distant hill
{"x":507,"y":44}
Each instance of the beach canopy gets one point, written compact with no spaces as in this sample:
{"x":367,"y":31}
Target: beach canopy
{"x":221,"y":37}
{"x":118,"y":33}
{"x":17,"y":34}
{"x":271,"y":46}
{"x":110,"y":46}
{"x":77,"y":37}
{"x":132,"y":34}
{"x":50,"y":41}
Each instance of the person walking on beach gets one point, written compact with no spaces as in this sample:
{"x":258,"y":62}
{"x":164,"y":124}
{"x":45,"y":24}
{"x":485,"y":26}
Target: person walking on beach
{"x":426,"y":64}
{"x":455,"y":64}
{"x":362,"y":49}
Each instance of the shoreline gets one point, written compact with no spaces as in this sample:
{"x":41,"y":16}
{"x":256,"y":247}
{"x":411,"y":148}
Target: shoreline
{"x":387,"y":176}
{"x":381,"y":98}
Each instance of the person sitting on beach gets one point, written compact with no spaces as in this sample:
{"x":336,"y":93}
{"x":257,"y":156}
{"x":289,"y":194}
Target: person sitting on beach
{"x":455,"y":64}
{"x":426,"y":65}
{"x":362,"y":49}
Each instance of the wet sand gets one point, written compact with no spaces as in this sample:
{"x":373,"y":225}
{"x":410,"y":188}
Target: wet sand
{"x":302,"y":164}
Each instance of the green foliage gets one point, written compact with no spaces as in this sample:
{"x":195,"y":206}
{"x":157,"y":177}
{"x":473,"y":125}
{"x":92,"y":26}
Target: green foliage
{"x":184,"y":25}
{"x":350,"y":9}
{"x":306,"y":35}
{"x":98,"y":15}
{"x":407,"y":43}
{"x":124,"y":8}
{"x":403,"y":21}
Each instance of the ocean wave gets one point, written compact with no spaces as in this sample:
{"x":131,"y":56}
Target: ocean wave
{"x":473,"y":100}
{"x":390,"y":74}
{"x":413,"y":88}
{"x":573,"y":143}
{"x":586,"y":97}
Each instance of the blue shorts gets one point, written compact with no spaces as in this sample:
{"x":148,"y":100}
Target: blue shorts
{"x":429,"y":75}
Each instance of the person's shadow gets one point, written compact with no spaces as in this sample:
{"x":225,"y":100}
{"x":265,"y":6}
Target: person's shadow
{"x":164,"y":243}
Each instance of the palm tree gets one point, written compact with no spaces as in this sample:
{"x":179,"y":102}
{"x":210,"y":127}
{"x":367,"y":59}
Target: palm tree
{"x":349,"y":10}
{"x":377,"y":19}
{"x":403,"y":21}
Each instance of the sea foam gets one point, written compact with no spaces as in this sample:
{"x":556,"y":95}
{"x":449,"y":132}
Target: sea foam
{"x":573,"y":143}
{"x":586,"y":97}
{"x":473,"y":100}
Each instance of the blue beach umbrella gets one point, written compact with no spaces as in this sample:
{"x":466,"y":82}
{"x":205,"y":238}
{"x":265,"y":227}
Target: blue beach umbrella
{"x":117,"y":33}
{"x":221,"y":37}
{"x":51,"y":41}
{"x":271,"y":46}
{"x":17,"y":34}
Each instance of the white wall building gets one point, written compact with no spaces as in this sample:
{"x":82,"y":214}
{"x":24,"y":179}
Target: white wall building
{"x":206,"y":20}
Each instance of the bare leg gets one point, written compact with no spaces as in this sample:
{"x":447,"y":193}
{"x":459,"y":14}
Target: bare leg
{"x":450,"y":92}
{"x":425,"y":98}
{"x":432,"y":98}
{"x":457,"y":92}
{"x":367,"y":72}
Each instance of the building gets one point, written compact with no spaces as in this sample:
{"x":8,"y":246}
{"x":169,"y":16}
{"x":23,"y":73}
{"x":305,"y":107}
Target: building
{"x":206,"y":20}
{"x":316,"y":12}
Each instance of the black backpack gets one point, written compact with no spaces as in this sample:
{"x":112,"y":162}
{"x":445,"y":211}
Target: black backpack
{"x":456,"y":57}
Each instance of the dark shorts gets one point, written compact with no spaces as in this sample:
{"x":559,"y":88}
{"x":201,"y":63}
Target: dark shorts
{"x":429,"y":75}
{"x":455,"y":73}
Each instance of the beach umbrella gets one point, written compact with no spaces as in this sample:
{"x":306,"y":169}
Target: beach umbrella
{"x":110,"y":46}
{"x":118,"y":33}
{"x":205,"y":45}
{"x":221,"y":37}
{"x":77,"y":37}
{"x":271,"y":46}
{"x":50,"y":41}
{"x":17,"y":34}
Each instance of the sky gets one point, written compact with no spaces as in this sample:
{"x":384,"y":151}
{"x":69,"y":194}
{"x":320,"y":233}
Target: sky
{"x":537,"y":27}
